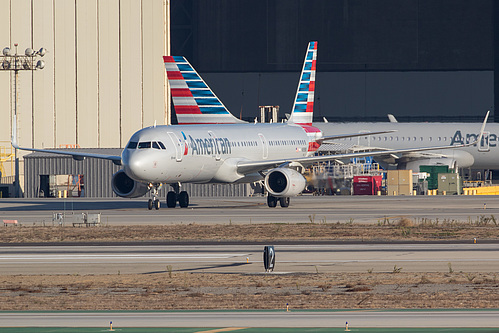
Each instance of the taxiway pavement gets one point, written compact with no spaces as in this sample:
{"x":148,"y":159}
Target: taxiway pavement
{"x":356,"y":319}
{"x":248,"y":258}
{"x":303,"y":209}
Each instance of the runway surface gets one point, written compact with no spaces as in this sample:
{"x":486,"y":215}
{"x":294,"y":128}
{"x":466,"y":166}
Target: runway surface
{"x":248,"y":258}
{"x":356,"y":319}
{"x":304,"y":209}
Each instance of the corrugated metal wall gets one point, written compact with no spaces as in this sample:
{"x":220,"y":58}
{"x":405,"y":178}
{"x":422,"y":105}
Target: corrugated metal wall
{"x":104,"y":76}
{"x":98,"y":174}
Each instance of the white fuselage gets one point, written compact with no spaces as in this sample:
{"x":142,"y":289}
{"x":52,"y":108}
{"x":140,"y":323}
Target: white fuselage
{"x":210,"y":153}
{"x":483,"y":156}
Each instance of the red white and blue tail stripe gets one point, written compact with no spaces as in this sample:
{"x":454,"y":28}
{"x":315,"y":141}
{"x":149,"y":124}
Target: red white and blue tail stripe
{"x":194,"y":101}
{"x":303,"y":108}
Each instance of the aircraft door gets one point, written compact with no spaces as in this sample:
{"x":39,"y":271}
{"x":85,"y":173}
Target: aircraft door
{"x":217,"y":145}
{"x":178,"y":146}
{"x":483,"y":145}
{"x":265,"y":146}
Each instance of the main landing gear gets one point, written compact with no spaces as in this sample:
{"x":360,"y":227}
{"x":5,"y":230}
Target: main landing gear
{"x":272,"y":201}
{"x":172,"y":197}
{"x":154,"y":202}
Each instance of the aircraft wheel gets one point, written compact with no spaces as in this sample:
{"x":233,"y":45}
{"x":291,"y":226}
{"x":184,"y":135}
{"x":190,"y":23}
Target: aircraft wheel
{"x":149,"y":204}
{"x":156,"y":204}
{"x":171,"y":199}
{"x":183,"y":199}
{"x":271,"y":201}
{"x":284,"y":202}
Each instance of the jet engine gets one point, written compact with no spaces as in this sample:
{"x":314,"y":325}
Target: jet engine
{"x":284,"y":182}
{"x":126,"y":187}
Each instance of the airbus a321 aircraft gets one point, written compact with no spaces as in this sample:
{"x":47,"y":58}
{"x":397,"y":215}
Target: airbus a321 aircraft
{"x":210,"y":145}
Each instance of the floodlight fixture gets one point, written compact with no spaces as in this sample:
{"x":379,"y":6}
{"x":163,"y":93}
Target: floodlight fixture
{"x":40,"y":64}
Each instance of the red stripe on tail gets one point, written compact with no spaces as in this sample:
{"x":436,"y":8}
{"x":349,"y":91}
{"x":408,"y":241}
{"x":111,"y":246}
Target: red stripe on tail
{"x":187,"y":109}
{"x":174,"y":75}
{"x":181,"y":92}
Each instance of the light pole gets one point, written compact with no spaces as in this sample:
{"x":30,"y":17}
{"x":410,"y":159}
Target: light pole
{"x":18,"y":62}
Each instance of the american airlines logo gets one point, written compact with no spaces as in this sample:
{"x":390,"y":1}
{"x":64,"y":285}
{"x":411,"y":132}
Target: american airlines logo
{"x":460,"y":138}
{"x":209,"y":146}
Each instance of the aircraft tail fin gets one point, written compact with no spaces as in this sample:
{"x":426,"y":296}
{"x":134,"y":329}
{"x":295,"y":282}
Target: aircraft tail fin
{"x":303,"y":107}
{"x":194,"y":101}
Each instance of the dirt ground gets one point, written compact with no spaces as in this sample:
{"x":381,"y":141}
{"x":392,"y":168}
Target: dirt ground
{"x":403,"y":229}
{"x":180,"y":290}
{"x":170,"y":290}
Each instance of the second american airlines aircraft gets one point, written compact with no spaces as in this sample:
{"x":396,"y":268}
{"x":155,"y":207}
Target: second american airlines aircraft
{"x":210,"y":145}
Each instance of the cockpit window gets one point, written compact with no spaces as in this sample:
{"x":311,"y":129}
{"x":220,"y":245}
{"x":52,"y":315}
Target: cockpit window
{"x":132,"y":145}
{"x":155,"y":145}
{"x":145,"y":145}
{"x":161,"y":145}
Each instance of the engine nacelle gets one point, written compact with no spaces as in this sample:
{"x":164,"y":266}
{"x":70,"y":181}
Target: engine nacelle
{"x":285,"y":182}
{"x":126,"y":187}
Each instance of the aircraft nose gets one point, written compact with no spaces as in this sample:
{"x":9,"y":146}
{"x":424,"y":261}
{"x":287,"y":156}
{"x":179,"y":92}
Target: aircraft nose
{"x":135,"y":167}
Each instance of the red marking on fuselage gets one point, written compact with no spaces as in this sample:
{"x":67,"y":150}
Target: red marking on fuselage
{"x":309,"y":128}
{"x":313,"y":146}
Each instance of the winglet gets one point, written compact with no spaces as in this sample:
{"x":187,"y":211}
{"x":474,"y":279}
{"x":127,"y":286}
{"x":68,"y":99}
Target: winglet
{"x":392,"y":118}
{"x":483,"y":128}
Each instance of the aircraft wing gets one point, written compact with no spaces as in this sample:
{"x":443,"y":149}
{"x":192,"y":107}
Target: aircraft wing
{"x":353,"y":135}
{"x":246,"y":167}
{"x":75,"y":154}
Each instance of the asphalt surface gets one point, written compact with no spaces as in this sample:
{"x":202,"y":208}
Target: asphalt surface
{"x":356,"y":319}
{"x":303,"y":209}
{"x":248,"y":258}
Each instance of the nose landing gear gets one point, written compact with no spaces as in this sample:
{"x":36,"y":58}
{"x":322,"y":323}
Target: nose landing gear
{"x":154,"y":202}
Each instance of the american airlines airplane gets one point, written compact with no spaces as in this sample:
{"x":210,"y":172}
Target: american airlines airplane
{"x":210,"y":145}
{"x":484,"y":155}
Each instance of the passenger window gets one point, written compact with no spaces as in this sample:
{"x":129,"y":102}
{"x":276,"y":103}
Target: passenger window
{"x":144,"y":145}
{"x":132,"y":145}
